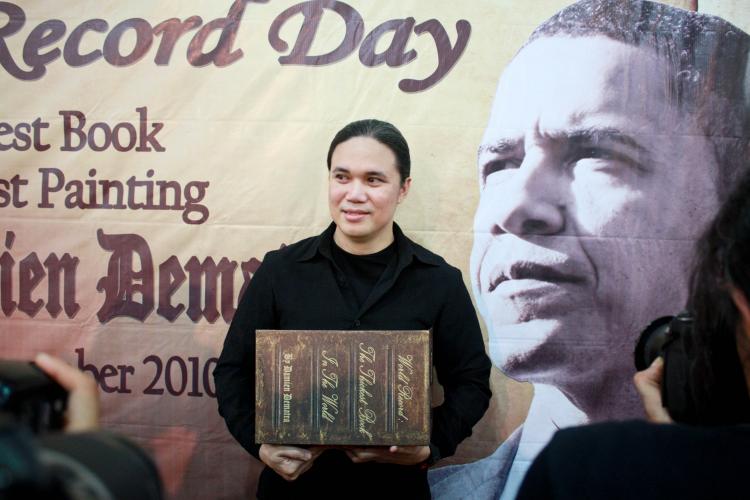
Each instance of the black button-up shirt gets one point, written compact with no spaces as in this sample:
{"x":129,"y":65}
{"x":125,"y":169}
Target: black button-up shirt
{"x":301,"y":288}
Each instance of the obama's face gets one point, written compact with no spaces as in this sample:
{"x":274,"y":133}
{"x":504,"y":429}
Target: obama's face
{"x":593,"y":189}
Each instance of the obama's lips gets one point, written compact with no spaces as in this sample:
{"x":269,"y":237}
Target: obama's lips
{"x":523,"y":290}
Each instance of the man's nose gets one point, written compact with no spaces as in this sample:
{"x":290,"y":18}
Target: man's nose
{"x":356,"y":192}
{"x":528,"y":203}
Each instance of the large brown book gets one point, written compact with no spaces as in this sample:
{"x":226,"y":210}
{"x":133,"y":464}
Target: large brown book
{"x":342,"y":387}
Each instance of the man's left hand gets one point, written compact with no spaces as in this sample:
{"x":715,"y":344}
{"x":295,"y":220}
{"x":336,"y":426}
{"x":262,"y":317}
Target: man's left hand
{"x":402,"y":455}
{"x":648,"y":384}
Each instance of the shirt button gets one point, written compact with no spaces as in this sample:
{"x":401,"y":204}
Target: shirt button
{"x":357,"y":322}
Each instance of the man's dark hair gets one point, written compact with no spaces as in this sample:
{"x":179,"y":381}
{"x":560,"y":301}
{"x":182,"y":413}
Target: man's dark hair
{"x":383,"y":132}
{"x":707,"y":58}
{"x":721,"y":262}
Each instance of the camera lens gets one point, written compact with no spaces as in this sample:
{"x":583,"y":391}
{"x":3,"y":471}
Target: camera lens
{"x":99,"y":465}
{"x":651,"y":342}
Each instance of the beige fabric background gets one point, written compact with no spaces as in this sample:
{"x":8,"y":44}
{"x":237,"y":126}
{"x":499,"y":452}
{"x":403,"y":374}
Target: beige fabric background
{"x":258,"y":132}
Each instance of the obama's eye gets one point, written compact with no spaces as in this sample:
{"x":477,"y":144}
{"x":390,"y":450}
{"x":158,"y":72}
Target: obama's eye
{"x":499,"y":165}
{"x":596,"y":153}
{"x":603,"y":159}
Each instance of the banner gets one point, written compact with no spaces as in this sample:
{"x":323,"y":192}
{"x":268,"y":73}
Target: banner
{"x":152,"y":153}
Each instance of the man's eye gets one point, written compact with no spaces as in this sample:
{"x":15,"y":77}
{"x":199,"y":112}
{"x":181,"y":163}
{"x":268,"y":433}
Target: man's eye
{"x":374,"y":180}
{"x":600,"y":158}
{"x":499,"y":165}
{"x":596,"y":153}
{"x":606,"y":161}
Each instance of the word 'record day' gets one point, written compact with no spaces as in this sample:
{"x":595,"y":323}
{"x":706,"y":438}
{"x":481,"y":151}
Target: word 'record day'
{"x":50,"y":40}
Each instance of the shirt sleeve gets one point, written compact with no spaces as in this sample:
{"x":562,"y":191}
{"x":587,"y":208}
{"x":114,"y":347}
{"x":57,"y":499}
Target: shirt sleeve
{"x":463,"y":369}
{"x":234,"y":375}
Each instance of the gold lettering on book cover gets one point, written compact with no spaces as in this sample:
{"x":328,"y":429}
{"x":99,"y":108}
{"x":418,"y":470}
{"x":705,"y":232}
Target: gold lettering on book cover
{"x":286,"y":409}
{"x":366,"y":379}
{"x":329,"y":383}
{"x":405,"y":370}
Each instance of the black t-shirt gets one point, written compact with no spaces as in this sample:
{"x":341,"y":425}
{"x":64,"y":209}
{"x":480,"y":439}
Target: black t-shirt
{"x":363,"y":271}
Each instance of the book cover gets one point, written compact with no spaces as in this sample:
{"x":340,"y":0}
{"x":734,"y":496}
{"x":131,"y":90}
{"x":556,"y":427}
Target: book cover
{"x":342,"y":387}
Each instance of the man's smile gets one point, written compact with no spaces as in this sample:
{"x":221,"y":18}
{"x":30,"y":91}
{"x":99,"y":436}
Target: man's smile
{"x":354,"y":214}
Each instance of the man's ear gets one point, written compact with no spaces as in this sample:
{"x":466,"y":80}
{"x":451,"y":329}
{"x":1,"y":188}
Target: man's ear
{"x":740,"y":300}
{"x":404,"y":189}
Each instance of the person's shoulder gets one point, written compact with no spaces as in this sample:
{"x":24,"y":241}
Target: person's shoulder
{"x":646,"y":436}
{"x":638,"y":459}
{"x":428,"y":257}
{"x":294,"y":252}
{"x":435,"y":268}
{"x":607,"y":431}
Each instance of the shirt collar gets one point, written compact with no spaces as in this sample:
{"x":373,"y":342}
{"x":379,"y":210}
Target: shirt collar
{"x":320,"y":244}
{"x":405,"y":248}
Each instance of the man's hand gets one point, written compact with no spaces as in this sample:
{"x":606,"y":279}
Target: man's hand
{"x":402,"y":455}
{"x":83,"y":398}
{"x":289,"y":462}
{"x":648,"y":385}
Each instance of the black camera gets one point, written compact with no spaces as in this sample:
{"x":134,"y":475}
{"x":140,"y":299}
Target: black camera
{"x":671,"y":337}
{"x":34,"y":399}
{"x":701,"y":384}
{"x":37,"y":462}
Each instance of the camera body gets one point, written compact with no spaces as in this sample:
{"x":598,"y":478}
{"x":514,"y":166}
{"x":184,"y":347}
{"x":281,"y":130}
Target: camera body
{"x":672,"y":338}
{"x":36,"y":461}
{"x":31,"y":397}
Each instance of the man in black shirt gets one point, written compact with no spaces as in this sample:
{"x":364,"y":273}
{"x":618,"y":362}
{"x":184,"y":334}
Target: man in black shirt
{"x":362,"y":273}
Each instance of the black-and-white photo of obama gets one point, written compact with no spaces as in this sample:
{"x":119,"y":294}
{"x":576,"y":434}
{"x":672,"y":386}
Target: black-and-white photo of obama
{"x":614,"y":134}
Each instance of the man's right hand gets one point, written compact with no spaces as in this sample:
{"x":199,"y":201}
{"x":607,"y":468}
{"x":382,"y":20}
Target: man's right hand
{"x":83,"y":395}
{"x":289,"y":462}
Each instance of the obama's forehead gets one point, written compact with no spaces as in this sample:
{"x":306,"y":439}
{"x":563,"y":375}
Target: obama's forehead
{"x":560,"y":83}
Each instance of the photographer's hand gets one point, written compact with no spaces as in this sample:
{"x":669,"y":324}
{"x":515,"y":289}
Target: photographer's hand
{"x":648,"y":385}
{"x":83,"y":398}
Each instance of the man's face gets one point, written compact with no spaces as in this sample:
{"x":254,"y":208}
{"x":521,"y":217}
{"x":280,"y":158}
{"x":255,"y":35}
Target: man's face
{"x":364,"y":190}
{"x":593,"y":188}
